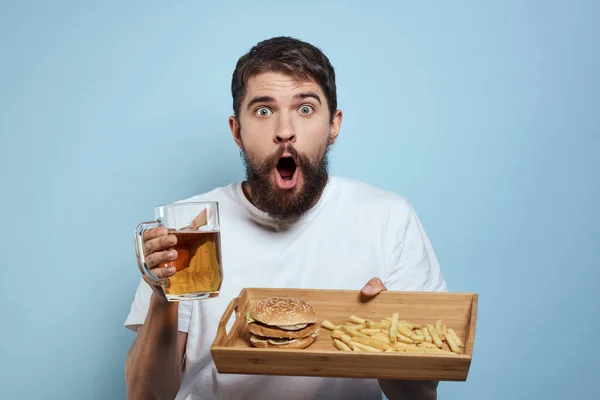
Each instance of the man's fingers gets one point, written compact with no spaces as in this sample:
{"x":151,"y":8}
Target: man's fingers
{"x":159,"y":273}
{"x":159,"y":243}
{"x":376,"y":283}
{"x":154,"y":233}
{"x":373,"y":287}
{"x":155,"y":259}
{"x":163,"y":272}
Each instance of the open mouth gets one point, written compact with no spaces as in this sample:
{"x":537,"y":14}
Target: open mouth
{"x":286,"y":173}
{"x":286,"y":168}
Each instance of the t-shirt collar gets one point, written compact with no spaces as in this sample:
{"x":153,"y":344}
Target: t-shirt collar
{"x":263,"y":218}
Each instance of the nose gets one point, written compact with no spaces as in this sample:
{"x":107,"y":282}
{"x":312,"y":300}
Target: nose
{"x":285,"y":137}
{"x":285,"y":131}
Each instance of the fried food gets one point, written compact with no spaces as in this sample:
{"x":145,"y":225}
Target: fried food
{"x":394,"y":335}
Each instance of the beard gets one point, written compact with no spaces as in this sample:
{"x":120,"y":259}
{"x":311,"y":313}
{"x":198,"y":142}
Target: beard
{"x":286,"y":205}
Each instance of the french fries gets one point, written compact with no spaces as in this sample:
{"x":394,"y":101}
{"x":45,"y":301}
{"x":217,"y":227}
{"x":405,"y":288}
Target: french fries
{"x":428,"y":337}
{"x":373,"y":342}
{"x":357,"y":327}
{"x":337,"y":334}
{"x":403,"y":330}
{"x":434,"y":335}
{"x":355,"y":347}
{"x":453,"y":346}
{"x":404,"y":339}
{"x":347,"y":340}
{"x":393,"y":335}
{"x":384,"y":324}
{"x":328,"y":325}
{"x":457,"y":340}
{"x":356,"y":320}
{"x":410,"y":325}
{"x":438,"y":329}
{"x":382,"y":336}
{"x":394,"y":328}
{"x":341,"y":345}
{"x":369,"y":331}
{"x":352,"y":332}
{"x":418,"y":338}
{"x":365,"y":347}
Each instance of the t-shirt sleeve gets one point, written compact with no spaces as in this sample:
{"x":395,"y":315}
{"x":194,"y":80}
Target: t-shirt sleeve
{"x":412,"y":264}
{"x":141,"y":304}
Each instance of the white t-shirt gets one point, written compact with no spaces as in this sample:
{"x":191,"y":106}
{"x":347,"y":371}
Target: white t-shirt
{"x":354,"y":233}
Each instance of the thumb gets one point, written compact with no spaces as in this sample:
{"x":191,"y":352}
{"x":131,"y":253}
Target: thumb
{"x":373,"y":287}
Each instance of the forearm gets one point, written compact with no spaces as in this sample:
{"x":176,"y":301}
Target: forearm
{"x":413,"y":390}
{"x":153,"y":367}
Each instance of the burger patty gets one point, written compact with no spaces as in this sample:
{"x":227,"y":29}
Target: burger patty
{"x":301,"y":343}
{"x":263,"y":330}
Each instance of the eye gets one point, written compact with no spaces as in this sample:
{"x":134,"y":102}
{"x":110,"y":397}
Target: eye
{"x":263,"y":112}
{"x":306,"y":110}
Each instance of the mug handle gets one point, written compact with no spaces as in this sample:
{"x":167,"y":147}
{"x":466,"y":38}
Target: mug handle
{"x":139,"y":247}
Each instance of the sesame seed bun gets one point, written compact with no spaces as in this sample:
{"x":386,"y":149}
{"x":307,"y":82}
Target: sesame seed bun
{"x":283,"y":311}
{"x":282,"y":323}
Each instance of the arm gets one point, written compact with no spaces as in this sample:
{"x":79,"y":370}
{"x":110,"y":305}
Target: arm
{"x":153,"y":367}
{"x":395,"y":389}
{"x":411,"y":266}
{"x":414,"y":390}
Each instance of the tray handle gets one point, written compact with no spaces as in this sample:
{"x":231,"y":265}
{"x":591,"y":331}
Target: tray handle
{"x":221,"y":337}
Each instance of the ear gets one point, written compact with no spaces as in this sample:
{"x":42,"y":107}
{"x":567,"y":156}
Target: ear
{"x":336,"y":124}
{"x":236,"y":130}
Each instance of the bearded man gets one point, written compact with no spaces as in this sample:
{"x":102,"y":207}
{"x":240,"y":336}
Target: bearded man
{"x":289,"y":224}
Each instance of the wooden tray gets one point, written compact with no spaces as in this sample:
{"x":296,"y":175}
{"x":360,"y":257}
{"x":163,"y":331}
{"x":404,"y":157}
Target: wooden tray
{"x":233,"y":354}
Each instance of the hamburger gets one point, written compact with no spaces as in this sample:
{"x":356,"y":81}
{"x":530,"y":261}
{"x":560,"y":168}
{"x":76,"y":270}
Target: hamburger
{"x":282,"y":323}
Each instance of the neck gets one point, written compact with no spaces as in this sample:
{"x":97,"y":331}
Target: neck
{"x":248,"y":193}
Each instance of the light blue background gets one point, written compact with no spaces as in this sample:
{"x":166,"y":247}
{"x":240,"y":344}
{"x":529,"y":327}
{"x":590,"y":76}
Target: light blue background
{"x":484,"y":114}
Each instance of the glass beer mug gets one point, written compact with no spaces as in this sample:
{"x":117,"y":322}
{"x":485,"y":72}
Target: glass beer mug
{"x":199,"y":271}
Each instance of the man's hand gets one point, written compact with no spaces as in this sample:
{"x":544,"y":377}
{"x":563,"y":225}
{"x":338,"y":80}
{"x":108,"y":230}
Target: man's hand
{"x":396,"y":389}
{"x":158,"y":250}
{"x":153,"y":365}
{"x":372,"y":288}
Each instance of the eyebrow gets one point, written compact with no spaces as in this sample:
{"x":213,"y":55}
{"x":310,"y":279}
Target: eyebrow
{"x":269,"y":99}
{"x":260,"y":99}
{"x":307,"y":95}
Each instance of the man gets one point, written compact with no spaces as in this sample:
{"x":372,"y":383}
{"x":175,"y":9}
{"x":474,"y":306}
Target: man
{"x":288,"y":225}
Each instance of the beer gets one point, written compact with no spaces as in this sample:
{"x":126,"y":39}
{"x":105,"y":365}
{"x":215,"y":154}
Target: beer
{"x":198,"y":269}
{"x":198,"y":264}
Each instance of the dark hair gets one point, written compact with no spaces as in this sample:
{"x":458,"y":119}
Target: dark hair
{"x":286,"y":55}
